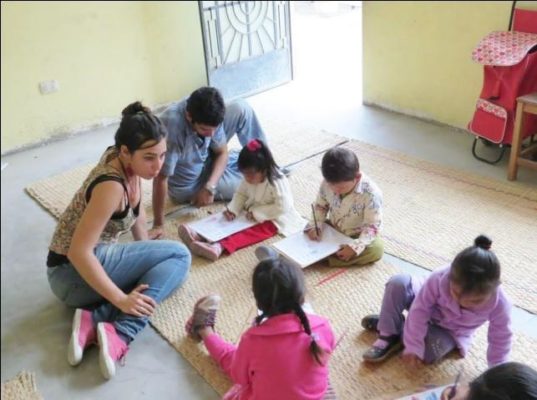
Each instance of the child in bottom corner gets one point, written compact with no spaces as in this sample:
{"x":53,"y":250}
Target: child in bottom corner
{"x":352,"y":202}
{"x":284,"y":355}
{"x":266,"y":197}
{"x":508,"y":381}
{"x":444,"y":311}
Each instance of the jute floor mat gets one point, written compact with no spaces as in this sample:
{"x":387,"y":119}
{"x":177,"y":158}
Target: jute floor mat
{"x":22,"y":387}
{"x":432,"y":212}
{"x":55,"y":193}
{"x":342,"y":295}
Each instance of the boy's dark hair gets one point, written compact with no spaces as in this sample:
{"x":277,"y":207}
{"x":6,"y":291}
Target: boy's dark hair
{"x":339,"y":165}
{"x":137,"y":127}
{"x":508,"y":381}
{"x":206,"y":106}
{"x":258,"y":157}
{"x":476,"y":269}
{"x":279,"y":288}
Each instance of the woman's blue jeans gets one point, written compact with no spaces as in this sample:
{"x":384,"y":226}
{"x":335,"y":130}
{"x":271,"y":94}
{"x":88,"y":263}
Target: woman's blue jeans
{"x":161,"y":264}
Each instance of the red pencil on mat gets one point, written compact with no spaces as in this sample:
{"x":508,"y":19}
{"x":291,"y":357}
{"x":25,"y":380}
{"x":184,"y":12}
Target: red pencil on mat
{"x":341,"y":337}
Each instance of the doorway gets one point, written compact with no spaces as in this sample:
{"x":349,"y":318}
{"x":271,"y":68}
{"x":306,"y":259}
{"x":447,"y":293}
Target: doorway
{"x":316,"y":46}
{"x":247,"y":45}
{"x":327,"y":51}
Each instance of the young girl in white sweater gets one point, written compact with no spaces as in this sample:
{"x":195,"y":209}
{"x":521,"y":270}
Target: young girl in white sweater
{"x":264,"y":194}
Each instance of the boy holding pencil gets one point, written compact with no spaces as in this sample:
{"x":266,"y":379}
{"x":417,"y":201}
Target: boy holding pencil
{"x":352,"y":203}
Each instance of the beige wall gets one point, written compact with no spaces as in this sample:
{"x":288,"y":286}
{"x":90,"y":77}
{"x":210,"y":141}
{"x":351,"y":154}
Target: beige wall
{"x":104,"y":56}
{"x":417,"y":55}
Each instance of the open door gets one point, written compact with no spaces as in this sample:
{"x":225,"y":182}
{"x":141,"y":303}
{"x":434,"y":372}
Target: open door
{"x":247,"y":45}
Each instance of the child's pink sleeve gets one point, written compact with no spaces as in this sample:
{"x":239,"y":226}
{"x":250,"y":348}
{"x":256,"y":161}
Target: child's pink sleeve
{"x":417,"y":322}
{"x":240,"y":368}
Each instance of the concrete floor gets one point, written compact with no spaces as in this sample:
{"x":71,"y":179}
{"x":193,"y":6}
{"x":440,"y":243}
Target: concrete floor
{"x":35,"y":326}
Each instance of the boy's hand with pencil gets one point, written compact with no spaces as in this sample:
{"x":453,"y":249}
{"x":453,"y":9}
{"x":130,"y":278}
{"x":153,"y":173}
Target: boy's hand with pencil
{"x":314,"y":231}
{"x":313,"y":234}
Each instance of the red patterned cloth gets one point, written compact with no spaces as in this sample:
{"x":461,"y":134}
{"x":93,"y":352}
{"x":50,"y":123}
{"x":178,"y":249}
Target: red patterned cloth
{"x":504,"y":48}
{"x":252,"y":235}
{"x":491,"y":108}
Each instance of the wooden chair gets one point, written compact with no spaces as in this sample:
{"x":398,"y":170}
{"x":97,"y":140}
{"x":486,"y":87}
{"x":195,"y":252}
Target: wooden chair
{"x":525,"y":104}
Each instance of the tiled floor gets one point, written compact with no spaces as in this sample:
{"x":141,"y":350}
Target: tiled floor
{"x":35,"y":326}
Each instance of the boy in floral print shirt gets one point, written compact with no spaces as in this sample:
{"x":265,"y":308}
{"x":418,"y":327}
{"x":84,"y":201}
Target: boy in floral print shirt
{"x":352,"y":203}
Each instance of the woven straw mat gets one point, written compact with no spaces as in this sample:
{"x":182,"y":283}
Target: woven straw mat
{"x":430,"y":213}
{"x":55,"y":193}
{"x":342,"y":295}
{"x":22,"y":387}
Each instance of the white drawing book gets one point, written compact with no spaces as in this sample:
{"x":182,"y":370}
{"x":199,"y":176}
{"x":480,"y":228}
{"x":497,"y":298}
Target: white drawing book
{"x":302,"y":251}
{"x":216,"y":227}
{"x":432,"y":394}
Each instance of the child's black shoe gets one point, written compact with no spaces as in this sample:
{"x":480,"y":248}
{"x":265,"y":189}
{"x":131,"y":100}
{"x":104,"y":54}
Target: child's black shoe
{"x":370,"y":322}
{"x":377,"y":354}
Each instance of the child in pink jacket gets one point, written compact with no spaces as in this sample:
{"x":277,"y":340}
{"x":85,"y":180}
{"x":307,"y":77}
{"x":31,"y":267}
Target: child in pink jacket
{"x":444,"y":311}
{"x":284,"y":355}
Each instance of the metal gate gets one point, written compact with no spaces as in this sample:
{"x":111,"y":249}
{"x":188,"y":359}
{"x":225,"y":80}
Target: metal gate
{"x":247,"y":45}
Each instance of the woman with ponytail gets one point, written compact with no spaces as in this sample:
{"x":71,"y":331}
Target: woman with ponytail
{"x":285,"y":354}
{"x":444,"y":310}
{"x":114,"y":287}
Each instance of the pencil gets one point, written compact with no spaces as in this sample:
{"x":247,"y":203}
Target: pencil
{"x":453,"y":390}
{"x":315,"y":220}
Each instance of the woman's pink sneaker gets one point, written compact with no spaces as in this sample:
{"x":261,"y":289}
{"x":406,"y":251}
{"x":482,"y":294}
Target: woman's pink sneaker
{"x":113,"y":348}
{"x":82,"y":335}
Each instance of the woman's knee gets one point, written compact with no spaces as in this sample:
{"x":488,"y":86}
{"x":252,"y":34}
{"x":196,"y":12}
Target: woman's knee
{"x":180,"y":253}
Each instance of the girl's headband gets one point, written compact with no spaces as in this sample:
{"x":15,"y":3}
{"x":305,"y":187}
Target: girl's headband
{"x":253,"y":145}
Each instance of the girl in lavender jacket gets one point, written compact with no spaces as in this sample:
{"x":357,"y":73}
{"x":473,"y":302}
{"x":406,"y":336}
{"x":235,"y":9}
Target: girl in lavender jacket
{"x":444,"y":311}
{"x":284,"y":355}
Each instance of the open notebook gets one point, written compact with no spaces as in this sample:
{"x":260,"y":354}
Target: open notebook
{"x":216,"y":227}
{"x":304,"y":252}
{"x":431,"y":394}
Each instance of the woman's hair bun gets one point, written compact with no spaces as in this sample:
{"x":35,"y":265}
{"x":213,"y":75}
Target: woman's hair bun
{"x":483,"y":242}
{"x":134,"y":108}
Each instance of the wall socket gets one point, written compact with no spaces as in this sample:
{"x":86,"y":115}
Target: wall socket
{"x":46,"y":87}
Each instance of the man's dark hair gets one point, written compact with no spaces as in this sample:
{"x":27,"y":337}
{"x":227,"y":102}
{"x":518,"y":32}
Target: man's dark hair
{"x":206,"y":106}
